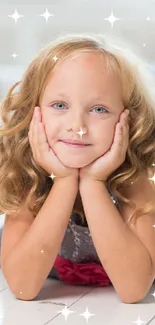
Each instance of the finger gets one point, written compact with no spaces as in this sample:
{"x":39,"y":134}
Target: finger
{"x":31,"y":128}
{"x":34,"y":135}
{"x":125,"y":126}
{"x":39,"y":139}
{"x":125,"y":141}
{"x":34,"y":131}
{"x":43,"y":144}
{"x":118,"y":139}
{"x":117,"y":142}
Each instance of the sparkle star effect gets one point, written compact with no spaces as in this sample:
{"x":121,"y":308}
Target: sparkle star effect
{"x":112,"y":19}
{"x":153,"y":178}
{"x":153,"y":294}
{"x":139,"y":322}
{"x":66,"y":312}
{"x":86,"y":314}
{"x":81,"y":132}
{"x":15,"y":16}
{"x":14,"y":55}
{"x":46,"y":15}
{"x":55,"y":58}
{"x":52,"y":176}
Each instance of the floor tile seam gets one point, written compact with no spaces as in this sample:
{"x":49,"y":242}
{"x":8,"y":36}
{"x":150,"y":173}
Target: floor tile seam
{"x":70,"y":305}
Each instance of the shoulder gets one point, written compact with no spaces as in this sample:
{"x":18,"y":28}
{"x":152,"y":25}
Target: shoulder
{"x":139,"y":193}
{"x":142,"y":189}
{"x":142,"y":192}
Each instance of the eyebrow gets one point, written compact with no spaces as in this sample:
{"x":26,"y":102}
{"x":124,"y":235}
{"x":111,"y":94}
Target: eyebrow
{"x":64,"y":95}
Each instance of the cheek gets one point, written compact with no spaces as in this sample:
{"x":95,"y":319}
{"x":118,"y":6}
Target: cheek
{"x":105,"y":136}
{"x":51,"y":130}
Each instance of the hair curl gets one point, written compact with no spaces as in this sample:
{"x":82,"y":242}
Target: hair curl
{"x":20,"y":176}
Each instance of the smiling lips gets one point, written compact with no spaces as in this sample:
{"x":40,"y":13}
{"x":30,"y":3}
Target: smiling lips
{"x":75,"y":143}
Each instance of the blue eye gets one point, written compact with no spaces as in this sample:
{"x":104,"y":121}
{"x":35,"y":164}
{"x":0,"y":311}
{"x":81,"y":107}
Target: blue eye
{"x":101,"y":108}
{"x":59,"y":103}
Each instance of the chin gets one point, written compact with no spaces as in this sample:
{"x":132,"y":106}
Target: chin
{"x":76,"y":162}
{"x":74,"y":165}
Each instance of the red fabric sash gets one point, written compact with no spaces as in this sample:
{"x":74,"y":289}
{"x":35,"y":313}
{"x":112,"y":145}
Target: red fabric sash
{"x":81,"y":273}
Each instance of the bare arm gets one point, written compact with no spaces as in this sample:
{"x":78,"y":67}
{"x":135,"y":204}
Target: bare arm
{"x":26,"y":268}
{"x":123,"y":255}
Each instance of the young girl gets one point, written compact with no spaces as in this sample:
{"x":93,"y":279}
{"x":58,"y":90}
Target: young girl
{"x":69,"y":154}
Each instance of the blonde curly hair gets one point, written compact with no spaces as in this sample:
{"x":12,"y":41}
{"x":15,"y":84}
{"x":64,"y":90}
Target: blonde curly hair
{"x":20,"y":176}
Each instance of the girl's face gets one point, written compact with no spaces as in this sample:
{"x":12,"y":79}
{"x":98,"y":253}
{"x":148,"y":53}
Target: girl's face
{"x":82,"y":92}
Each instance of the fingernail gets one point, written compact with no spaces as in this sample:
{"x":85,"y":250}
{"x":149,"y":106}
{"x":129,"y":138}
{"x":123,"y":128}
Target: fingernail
{"x":36,"y":109}
{"x":36,"y":112}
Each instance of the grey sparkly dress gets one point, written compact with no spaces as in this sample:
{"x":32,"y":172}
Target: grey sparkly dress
{"x":77,"y":261}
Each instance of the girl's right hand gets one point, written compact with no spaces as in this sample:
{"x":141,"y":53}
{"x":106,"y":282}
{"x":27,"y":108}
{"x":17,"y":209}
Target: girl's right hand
{"x":43,"y":153}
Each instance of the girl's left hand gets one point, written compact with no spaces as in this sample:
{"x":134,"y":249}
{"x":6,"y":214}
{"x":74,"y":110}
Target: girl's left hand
{"x":101,"y":168}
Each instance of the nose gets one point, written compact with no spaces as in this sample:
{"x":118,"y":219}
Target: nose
{"x":77,"y":122}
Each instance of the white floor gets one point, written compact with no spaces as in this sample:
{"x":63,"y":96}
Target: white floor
{"x":56,"y":297}
{"x":49,"y":306}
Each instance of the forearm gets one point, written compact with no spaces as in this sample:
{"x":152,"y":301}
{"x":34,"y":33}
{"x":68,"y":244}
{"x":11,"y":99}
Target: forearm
{"x":32,"y":258}
{"x":122,"y":254}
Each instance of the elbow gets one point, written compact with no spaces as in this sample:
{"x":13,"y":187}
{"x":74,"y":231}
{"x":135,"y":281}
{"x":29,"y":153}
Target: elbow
{"x":134,"y":298}
{"x":131,"y":300}
{"x":22,"y":295}
{"x":26,"y":293}
{"x":135,"y":294}
{"x":138,"y":294}
{"x":14,"y":285}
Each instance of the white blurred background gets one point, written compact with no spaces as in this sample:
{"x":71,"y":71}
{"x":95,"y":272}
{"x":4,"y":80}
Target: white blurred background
{"x":26,"y":37}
